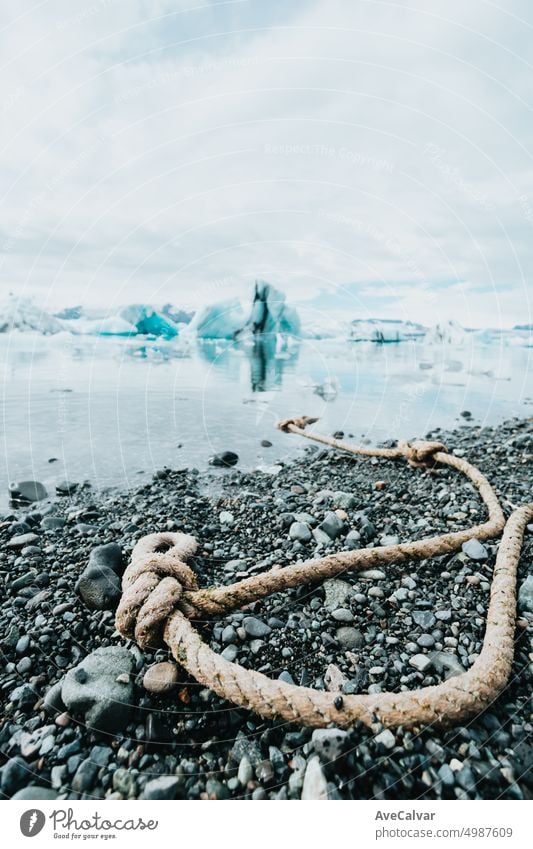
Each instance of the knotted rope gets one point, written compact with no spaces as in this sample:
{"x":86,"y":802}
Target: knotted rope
{"x":161,"y":596}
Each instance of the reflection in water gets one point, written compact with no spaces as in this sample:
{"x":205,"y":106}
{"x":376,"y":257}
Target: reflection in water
{"x":268,"y":361}
{"x":271,"y":355}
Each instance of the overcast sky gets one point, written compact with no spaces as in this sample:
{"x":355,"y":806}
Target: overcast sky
{"x":370,"y":158}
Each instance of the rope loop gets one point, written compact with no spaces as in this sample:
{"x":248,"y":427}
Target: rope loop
{"x":153,"y":585}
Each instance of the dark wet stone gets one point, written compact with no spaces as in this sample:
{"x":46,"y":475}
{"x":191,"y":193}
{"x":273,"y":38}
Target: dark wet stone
{"x":26,"y":492}
{"x":224,"y":458}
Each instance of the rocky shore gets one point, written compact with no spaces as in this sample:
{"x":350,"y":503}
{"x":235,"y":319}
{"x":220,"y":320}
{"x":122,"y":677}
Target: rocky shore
{"x":86,"y":715}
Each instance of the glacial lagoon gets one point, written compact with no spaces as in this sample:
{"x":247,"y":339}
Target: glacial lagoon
{"x":112,"y":411}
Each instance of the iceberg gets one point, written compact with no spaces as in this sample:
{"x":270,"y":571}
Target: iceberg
{"x":149,"y":321}
{"x":221,"y":320}
{"x":383,"y":330}
{"x":446,"y":333}
{"x":270,"y":312}
{"x":113,"y":325}
{"x":23,"y":314}
{"x":133,"y":320}
{"x":328,"y":389}
{"x":70,"y":313}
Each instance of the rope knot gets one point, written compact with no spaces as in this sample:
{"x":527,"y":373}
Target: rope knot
{"x":419,"y":452}
{"x":298,"y":421}
{"x":153,"y":585}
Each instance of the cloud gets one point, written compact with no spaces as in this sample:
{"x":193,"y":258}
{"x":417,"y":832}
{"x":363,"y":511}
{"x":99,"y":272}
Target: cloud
{"x":164,"y":151}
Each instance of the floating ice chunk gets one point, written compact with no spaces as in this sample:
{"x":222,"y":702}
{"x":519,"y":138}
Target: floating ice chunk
{"x":221,"y":320}
{"x":447,"y":333}
{"x":329,"y":389}
{"x":23,"y":314}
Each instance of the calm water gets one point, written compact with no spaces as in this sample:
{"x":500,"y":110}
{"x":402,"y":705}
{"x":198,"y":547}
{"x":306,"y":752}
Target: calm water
{"x":112,"y":411}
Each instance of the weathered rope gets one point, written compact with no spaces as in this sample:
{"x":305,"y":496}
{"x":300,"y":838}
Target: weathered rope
{"x":160,"y":596}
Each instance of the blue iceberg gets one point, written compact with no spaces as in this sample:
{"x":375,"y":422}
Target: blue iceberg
{"x":221,"y":320}
{"x":149,"y":321}
{"x":270,"y":312}
{"x":133,"y":320}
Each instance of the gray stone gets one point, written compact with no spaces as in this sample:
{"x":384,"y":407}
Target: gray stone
{"x":420,"y":662}
{"x":424,"y":618}
{"x":85,"y":775}
{"x":474,"y":550}
{"x":245,"y":773}
{"x":332,"y":525}
{"x":344,"y":500}
{"x":444,"y":662}
{"x":328,"y":743}
{"x":307,"y":518}
{"x":315,"y":786}
{"x":426,"y":641}
{"x":99,"y":587}
{"x":66,"y":488}
{"x":164,"y":787}
{"x":525,"y":595}
{"x":372,"y":574}
{"x":109,"y":555}
{"x":101,"y":755}
{"x":353,"y":540}
{"x":349,"y":638}
{"x":123,"y":781}
{"x":27,"y":491}
{"x":443,"y":615}
{"x":229,"y":635}
{"x":14,"y":773}
{"x":99,"y":584}
{"x":224,"y":459}
{"x":22,"y":540}
{"x":58,"y":776}
{"x":230,"y":653}
{"x":23,"y":696}
{"x":255,"y":628}
{"x":245,"y":746}
{"x":336,"y":593}
{"x":24,"y":665}
{"x":386,"y":739}
{"x":23,"y":644}
{"x":334,"y":679}
{"x":101,"y":689}
{"x":389,"y":539}
{"x":465,"y":779}
{"x":35,"y":793}
{"x":321,"y":538}
{"x":300,"y":532}
{"x":446,"y":775}
{"x":342,"y":615}
{"x":52,"y":523}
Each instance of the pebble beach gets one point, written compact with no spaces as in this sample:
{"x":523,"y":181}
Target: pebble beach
{"x":88,"y":715}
